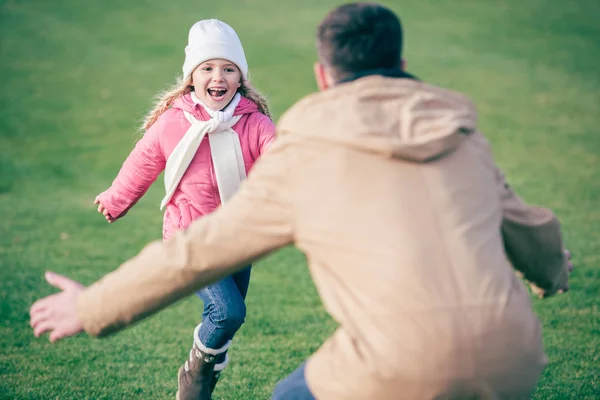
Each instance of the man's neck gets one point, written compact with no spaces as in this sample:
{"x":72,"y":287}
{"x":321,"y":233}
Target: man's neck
{"x":388,"y":72}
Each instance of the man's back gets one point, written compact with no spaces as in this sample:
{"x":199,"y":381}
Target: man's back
{"x":396,"y":200}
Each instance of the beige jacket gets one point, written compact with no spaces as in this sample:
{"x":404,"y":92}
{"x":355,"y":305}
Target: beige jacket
{"x":394,"y":197}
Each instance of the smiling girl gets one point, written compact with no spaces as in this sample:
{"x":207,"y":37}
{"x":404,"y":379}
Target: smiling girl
{"x":205,"y":133}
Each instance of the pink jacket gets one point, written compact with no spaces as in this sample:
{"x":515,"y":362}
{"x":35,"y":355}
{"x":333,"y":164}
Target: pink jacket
{"x":197,"y":194}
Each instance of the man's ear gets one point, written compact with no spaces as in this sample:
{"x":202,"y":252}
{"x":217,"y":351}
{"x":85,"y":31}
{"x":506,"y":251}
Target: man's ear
{"x":321,"y":76}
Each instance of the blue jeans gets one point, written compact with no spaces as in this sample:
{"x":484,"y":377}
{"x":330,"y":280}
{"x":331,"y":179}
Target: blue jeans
{"x":293,"y":387}
{"x":224,"y":309}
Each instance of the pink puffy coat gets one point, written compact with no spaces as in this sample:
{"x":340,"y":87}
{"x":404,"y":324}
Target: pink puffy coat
{"x":198,"y":193}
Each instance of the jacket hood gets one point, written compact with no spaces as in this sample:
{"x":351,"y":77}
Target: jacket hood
{"x":186,"y":103}
{"x":402,"y":118}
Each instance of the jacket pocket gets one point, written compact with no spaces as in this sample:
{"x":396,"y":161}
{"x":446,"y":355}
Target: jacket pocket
{"x":167,"y":225}
{"x":185,"y":214}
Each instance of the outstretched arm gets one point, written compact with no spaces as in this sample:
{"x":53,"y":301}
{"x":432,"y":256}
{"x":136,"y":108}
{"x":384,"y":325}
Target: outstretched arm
{"x":533,"y":243}
{"x":532,"y":235}
{"x":139,"y":171}
{"x":256,"y":221}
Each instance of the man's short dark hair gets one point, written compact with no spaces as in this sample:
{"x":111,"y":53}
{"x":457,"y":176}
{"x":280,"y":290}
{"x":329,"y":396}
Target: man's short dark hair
{"x":358,"y":37}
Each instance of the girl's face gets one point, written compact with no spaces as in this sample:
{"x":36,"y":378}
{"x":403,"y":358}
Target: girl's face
{"x":216,"y":82}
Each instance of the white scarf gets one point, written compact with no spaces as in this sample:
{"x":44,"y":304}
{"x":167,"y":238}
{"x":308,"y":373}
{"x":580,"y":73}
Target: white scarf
{"x":225,"y":150}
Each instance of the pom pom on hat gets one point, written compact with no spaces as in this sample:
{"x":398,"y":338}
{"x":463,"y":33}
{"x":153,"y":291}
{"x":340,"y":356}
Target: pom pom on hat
{"x":209,"y":39}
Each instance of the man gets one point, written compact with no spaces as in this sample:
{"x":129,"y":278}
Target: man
{"x":386,"y":185}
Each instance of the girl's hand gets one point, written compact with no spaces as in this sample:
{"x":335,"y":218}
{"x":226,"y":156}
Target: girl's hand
{"x":57,"y":313}
{"x":104,"y":211}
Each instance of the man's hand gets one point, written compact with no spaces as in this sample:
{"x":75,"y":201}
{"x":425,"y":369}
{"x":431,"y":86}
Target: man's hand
{"x":541,"y":293}
{"x":569,"y":267}
{"x":57,"y":313}
{"x":104,"y":211}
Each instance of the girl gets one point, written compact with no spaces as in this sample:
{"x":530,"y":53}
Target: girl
{"x":206,"y":132}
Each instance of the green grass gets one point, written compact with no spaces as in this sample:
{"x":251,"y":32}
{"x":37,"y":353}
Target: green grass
{"x":76,"y":78}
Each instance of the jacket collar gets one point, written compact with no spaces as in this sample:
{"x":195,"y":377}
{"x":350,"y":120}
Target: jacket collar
{"x":186,"y":103}
{"x":387,"y":72}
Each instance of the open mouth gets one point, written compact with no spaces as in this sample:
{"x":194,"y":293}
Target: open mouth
{"x":217,"y":94}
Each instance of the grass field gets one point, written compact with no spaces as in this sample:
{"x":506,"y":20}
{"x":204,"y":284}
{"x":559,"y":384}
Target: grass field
{"x":76,"y":78}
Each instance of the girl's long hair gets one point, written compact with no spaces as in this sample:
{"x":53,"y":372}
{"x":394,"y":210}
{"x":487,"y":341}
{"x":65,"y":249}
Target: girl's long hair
{"x":165,"y":99}
{"x":249,"y":92}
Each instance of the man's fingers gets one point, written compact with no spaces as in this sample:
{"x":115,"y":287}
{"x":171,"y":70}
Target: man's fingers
{"x":57,"y":312}
{"x":38,"y":306}
{"x":38,"y":317}
{"x":43,"y":327}
{"x":57,"y":334}
{"x":96,"y":201}
{"x":60,"y":281}
{"x":42,"y":305}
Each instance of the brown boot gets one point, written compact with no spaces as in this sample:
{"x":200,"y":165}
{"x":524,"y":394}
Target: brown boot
{"x":195,"y":377}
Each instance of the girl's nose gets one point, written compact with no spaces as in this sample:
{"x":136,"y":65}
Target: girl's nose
{"x":217,"y":76}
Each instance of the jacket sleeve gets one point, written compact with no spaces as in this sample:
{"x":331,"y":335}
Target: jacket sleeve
{"x":532,"y":235}
{"x":139,"y":171}
{"x":265,"y":136}
{"x":533,"y":242}
{"x":256,"y":221}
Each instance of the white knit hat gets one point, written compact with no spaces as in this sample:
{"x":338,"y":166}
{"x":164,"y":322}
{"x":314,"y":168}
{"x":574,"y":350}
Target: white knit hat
{"x":209,"y":39}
